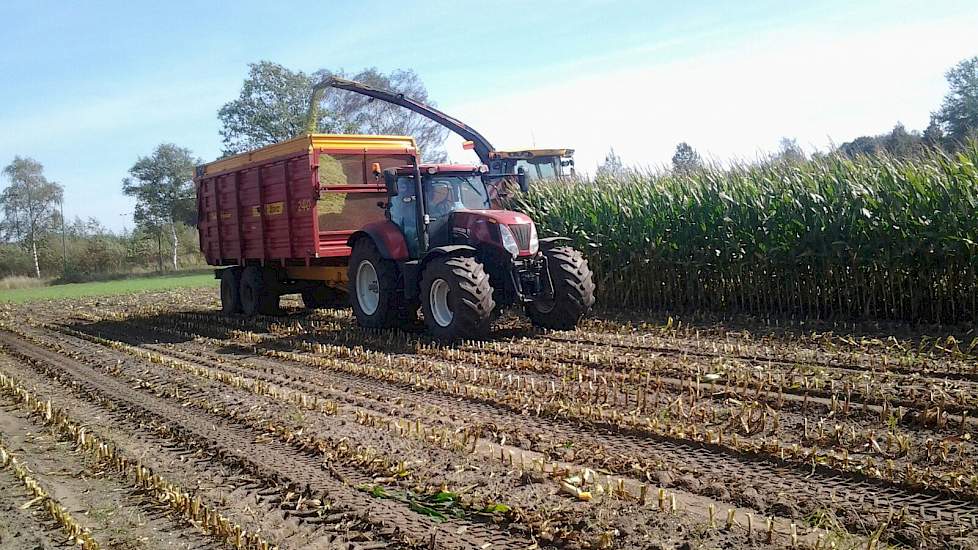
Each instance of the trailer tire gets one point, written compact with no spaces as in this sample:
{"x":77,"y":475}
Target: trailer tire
{"x":231,"y":290}
{"x":258,"y":296}
{"x":373,"y":286}
{"x":573,"y":291}
{"x":456,"y":298}
{"x":324,"y":297}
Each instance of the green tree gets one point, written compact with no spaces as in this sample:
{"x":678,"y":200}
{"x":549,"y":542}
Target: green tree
{"x":29,"y":203}
{"x":274,"y":102}
{"x":933,"y":134}
{"x":686,"y":158}
{"x":272,"y":107}
{"x":862,"y":146}
{"x":958,"y":115}
{"x":162,"y":185}
{"x":364,"y":116}
{"x":790,"y":151}
{"x":901,"y":143}
{"x":612,"y":166}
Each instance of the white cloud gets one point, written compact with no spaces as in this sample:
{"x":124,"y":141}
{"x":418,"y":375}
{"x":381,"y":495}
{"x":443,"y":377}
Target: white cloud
{"x":736,"y":102}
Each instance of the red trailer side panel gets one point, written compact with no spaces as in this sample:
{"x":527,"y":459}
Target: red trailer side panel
{"x":263,"y":212}
{"x":296,"y":201}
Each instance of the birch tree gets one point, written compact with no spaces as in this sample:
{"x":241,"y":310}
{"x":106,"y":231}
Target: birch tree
{"x":162,"y":185}
{"x":29,"y":204}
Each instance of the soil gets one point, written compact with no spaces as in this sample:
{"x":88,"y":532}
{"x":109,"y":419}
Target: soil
{"x":314,"y":433}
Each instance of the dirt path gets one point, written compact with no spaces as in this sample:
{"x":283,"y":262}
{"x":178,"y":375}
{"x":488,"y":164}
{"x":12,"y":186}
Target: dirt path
{"x":114,"y":513}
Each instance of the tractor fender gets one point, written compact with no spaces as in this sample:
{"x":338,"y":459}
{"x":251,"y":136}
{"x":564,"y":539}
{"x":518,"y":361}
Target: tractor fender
{"x":448,"y":250}
{"x":551,"y":242}
{"x":386,"y":236}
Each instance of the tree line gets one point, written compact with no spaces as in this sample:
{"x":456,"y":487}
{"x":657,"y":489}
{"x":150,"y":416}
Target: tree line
{"x":271,"y":107}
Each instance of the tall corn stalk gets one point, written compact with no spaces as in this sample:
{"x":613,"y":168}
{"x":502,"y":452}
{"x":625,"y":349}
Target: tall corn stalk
{"x":873,"y":237}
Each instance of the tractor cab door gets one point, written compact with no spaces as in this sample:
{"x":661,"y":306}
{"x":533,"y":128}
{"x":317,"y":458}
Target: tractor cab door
{"x":404,"y":211}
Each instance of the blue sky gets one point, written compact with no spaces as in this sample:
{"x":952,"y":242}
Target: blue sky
{"x":89,"y":87}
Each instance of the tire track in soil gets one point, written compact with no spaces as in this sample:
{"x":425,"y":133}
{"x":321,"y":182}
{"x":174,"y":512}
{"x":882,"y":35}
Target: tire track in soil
{"x":279,"y":344}
{"x":548,"y":349}
{"x":20,"y":528}
{"x":133,"y":337}
{"x":279,"y":521}
{"x":300,"y":381}
{"x":233,"y":441}
{"x":597,"y":337}
{"x":622,"y":375}
{"x":954,"y":412}
{"x":853,"y":497}
{"x":106,"y":506}
{"x":664,"y":350}
{"x":691,"y":504}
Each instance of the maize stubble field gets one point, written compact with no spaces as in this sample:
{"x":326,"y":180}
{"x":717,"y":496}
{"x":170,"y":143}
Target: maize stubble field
{"x":154,"y":421}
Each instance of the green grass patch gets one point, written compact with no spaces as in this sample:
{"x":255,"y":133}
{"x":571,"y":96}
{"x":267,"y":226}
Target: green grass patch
{"x":103,"y":288}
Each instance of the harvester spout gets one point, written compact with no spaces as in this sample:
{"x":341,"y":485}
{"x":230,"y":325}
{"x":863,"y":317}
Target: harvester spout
{"x":480,"y":144}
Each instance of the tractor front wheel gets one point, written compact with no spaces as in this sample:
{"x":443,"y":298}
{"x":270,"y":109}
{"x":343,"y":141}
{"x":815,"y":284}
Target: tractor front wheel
{"x":573,"y":291}
{"x":456,"y":298}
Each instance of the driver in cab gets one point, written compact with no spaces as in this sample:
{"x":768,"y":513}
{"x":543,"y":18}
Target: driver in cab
{"x":441,"y":203}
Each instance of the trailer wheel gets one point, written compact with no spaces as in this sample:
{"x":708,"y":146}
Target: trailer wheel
{"x":456,"y":298}
{"x":573,"y":291}
{"x":323,"y":297}
{"x":231,"y":290}
{"x":373,"y":286}
{"x":258,"y":296}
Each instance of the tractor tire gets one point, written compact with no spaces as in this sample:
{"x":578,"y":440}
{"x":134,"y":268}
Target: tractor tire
{"x":258,"y":296}
{"x":324,"y":297}
{"x":373,"y":286}
{"x":231,"y":290}
{"x":573,"y":291}
{"x":456,"y":298}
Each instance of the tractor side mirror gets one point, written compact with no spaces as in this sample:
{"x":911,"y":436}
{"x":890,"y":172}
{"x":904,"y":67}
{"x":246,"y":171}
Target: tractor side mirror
{"x":390,"y":181}
{"x":521,"y":180}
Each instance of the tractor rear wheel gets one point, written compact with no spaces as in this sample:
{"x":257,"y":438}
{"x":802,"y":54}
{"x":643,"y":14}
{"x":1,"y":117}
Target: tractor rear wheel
{"x":323,"y":297}
{"x":573,"y":291}
{"x":456,"y":298}
{"x":231,"y":290}
{"x":258,"y":296}
{"x":373,"y":286}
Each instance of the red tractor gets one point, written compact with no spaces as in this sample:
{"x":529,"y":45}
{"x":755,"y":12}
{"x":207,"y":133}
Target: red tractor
{"x":303,"y":216}
{"x":442,"y":247}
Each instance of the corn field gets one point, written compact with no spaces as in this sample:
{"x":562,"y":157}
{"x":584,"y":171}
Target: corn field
{"x":830,"y":238}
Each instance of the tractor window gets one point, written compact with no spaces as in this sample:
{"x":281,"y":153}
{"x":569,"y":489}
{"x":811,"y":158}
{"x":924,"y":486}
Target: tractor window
{"x":445,"y":194}
{"x":537,"y":169}
{"x":341,"y":170}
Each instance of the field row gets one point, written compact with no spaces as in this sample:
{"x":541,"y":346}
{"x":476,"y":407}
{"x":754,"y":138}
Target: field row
{"x":572,"y":440}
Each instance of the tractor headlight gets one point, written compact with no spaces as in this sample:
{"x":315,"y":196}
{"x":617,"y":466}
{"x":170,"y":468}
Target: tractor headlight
{"x":534,"y":241}
{"x":509,"y":241}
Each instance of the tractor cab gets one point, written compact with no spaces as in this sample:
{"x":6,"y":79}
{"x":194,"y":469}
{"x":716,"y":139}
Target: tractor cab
{"x":536,"y":164}
{"x":457,"y":209}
